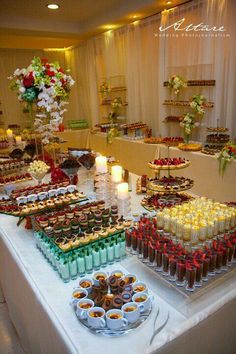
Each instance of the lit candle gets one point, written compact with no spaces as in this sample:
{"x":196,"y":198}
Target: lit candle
{"x":18,"y":140}
{"x":101,"y":164}
{"x":116,"y":174}
{"x":9,"y":133}
{"x":122,"y":191}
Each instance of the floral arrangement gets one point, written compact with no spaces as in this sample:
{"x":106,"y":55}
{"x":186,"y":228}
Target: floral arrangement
{"x":197,"y":104}
{"x":116,"y":104}
{"x":46,"y":86}
{"x":227,"y":155}
{"x":188,"y":123}
{"x":104,"y":89}
{"x":38,"y":169}
{"x":113,"y":132}
{"x":176,"y":82}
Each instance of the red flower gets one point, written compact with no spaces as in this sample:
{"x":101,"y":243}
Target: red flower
{"x":53,"y":81}
{"x":50,"y":73}
{"x":44,"y":61}
{"x":61,"y":70}
{"x":28,"y":80}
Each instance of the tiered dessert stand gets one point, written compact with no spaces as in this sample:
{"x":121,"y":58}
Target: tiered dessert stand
{"x":167,"y":190}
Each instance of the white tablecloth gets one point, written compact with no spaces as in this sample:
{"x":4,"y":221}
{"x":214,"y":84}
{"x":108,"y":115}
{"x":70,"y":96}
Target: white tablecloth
{"x":38,"y":303}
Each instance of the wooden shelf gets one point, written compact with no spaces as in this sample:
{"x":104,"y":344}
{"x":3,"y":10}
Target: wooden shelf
{"x":109,"y":103}
{"x":121,"y":88}
{"x":197,"y":83}
{"x":185,"y":104}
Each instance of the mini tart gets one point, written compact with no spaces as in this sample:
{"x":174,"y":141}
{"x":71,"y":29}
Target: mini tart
{"x":41,"y":205}
{"x":73,"y":197}
{"x":75,"y":242}
{"x":94,"y":236}
{"x":65,"y":246}
{"x":59,"y":240}
{"x":50,"y":204}
{"x":103,"y":233}
{"x":34,"y":207}
{"x":79,"y":195}
{"x":120,"y":226}
{"x":84,"y":240}
{"x":127,"y":223}
{"x":112,"y":230}
{"x":57,"y":201}
{"x":25,"y":210}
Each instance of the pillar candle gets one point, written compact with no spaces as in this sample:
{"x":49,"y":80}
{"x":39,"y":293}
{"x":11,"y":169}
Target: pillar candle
{"x":18,"y":140}
{"x":9,"y":133}
{"x":122,"y":191}
{"x":101,"y":164}
{"x":116,"y":174}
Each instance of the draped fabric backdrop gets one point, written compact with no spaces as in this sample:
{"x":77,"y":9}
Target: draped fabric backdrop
{"x":145,"y":60}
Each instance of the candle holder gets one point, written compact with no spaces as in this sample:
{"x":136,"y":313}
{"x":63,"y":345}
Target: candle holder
{"x":102,"y":188}
{"x":124,"y":206}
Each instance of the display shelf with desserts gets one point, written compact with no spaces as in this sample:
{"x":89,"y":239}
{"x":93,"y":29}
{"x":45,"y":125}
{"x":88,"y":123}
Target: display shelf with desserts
{"x":185,"y":103}
{"x":44,"y":187}
{"x":73,"y":228}
{"x":216,"y":138}
{"x":11,"y":166}
{"x":111,"y":304}
{"x":15,"y":179}
{"x":35,"y":204}
{"x":188,"y":271}
{"x":195,"y":83}
{"x":83,"y":260}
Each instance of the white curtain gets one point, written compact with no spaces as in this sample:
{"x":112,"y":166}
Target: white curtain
{"x":147,"y":61}
{"x":144,"y":61}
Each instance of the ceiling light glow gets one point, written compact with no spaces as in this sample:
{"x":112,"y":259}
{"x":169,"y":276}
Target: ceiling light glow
{"x":168,"y":2}
{"x":53,"y":6}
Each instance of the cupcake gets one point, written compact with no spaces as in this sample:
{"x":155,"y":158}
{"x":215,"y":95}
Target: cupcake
{"x":114,"y":210}
{"x":66,"y":226}
{"x":57,"y":229}
{"x":101,"y":205}
{"x":86,"y":209}
{"x":52,"y":219}
{"x":98,"y":215}
{"x":106,"y":213}
{"x":49,"y":231}
{"x":43,"y":221}
{"x":61,"y":216}
{"x":77,"y":211}
{"x":83,"y":221}
{"x":98,"y":222}
{"x":70,"y":214}
{"x":75,"y":224}
{"x":93,"y":207}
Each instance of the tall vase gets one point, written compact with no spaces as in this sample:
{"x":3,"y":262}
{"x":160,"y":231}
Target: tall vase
{"x":187,"y":138}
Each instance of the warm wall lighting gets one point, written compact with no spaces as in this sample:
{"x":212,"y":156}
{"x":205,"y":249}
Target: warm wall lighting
{"x":168,"y":2}
{"x":53,"y":6}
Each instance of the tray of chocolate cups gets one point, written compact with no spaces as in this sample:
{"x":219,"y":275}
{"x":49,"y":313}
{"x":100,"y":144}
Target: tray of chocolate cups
{"x":186,"y":270}
{"x":111,"y":304}
{"x":72,"y":228}
{"x":47,"y":200}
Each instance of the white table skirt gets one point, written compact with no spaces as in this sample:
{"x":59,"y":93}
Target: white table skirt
{"x":38,"y":303}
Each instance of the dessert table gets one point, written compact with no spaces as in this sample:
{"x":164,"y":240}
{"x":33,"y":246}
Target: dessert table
{"x":38,"y":303}
{"x":134,"y":155}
